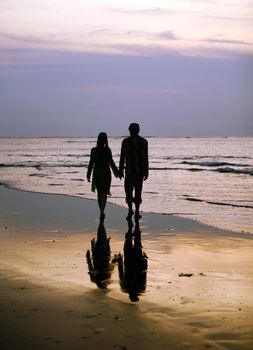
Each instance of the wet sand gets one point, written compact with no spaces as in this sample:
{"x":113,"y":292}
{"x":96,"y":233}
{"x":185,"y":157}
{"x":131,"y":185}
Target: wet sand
{"x":198,"y":292}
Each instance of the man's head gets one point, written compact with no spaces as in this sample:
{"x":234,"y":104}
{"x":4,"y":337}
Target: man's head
{"x":134,"y":129}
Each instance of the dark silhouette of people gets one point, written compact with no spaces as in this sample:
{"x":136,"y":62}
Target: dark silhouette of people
{"x":133,"y":265}
{"x":101,"y":163}
{"x":134,"y":159}
{"x":99,"y":260}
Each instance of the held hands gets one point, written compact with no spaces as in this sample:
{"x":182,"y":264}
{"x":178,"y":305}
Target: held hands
{"x":121,"y":175}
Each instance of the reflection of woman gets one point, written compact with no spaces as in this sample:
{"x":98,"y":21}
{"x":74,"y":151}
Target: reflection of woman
{"x":100,"y":162}
{"x":100,"y":262}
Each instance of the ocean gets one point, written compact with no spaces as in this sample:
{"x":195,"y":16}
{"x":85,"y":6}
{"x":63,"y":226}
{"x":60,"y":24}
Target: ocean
{"x":205,"y":179}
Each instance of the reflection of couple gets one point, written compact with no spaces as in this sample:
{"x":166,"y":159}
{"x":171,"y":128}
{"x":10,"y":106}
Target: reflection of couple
{"x":133,"y":158}
{"x":132,"y":264}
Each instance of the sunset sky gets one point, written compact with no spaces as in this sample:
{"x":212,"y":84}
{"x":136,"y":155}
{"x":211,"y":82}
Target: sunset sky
{"x":75,"y":67}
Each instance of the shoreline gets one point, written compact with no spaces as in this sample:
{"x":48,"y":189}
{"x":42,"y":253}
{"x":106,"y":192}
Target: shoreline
{"x":198,"y":292}
{"x":177,"y":221}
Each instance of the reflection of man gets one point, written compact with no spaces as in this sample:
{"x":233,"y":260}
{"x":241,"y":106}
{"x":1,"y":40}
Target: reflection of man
{"x":134,"y":158}
{"x":133,"y":265}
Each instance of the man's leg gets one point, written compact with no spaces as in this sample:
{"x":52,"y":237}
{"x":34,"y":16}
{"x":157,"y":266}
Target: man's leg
{"x":138,"y":189}
{"x":129,"y":186}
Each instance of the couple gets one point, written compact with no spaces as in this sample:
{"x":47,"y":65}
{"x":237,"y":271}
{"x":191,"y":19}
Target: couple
{"x":133,"y":158}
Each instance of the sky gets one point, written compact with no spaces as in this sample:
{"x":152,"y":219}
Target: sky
{"x":77,"y":67}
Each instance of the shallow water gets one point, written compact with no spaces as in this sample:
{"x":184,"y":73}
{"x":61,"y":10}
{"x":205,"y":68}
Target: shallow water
{"x":206,"y":179}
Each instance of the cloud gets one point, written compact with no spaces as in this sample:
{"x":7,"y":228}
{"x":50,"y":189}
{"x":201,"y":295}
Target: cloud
{"x":168,"y":35}
{"x":154,"y":43}
{"x":226,"y":41}
{"x":101,"y":41}
{"x":242,"y":19}
{"x":133,"y":34}
{"x":207,"y":14}
{"x":31,"y":59}
{"x":31,"y":41}
{"x":147,"y":11}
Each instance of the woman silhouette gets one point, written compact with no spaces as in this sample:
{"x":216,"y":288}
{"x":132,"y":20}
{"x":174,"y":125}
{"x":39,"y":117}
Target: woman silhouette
{"x":100,"y":162}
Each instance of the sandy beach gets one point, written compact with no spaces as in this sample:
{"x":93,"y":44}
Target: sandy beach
{"x":198,"y":292}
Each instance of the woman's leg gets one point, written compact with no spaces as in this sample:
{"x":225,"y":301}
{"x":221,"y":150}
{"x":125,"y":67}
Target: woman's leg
{"x":103,"y":202}
{"x":102,"y":199}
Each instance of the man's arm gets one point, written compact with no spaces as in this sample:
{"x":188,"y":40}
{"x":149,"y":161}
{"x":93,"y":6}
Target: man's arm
{"x":122,"y":159}
{"x":146,"y":163}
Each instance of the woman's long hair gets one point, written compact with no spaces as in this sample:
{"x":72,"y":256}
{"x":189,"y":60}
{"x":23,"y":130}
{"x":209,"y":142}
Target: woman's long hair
{"x":102,"y":140}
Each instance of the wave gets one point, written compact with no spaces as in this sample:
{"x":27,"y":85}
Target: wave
{"x":214,"y":163}
{"x":193,"y":199}
{"x":173,"y":168}
{"x":80,"y":141}
{"x":53,"y":184}
{"x":74,"y":141}
{"x":37,"y":175}
{"x":51,"y":155}
{"x":164,"y":168}
{"x":195,"y":158}
{"x":235,"y":171}
{"x":77,"y":155}
{"x":39,"y":166}
{"x":220,"y":170}
{"x":227,"y":170}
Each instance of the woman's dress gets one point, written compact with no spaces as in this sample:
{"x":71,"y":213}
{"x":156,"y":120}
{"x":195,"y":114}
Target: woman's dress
{"x":101,"y":163}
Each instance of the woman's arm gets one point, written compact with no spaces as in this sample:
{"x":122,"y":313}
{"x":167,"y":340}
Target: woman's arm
{"x":112,"y":164}
{"x":91,"y":164}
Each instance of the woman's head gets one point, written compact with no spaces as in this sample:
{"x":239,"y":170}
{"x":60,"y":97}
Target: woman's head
{"x":102,"y":140}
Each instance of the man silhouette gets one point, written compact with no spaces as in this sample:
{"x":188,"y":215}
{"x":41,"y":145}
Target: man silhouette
{"x":134,"y":159}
